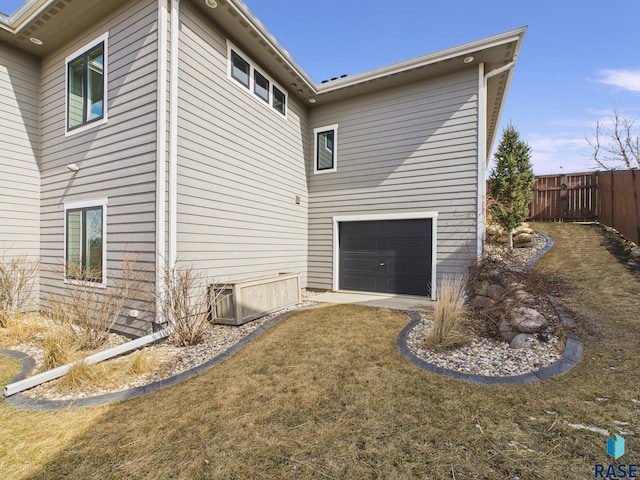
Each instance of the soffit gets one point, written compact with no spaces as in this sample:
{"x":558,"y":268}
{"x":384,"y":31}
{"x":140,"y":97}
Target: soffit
{"x":55,"y":23}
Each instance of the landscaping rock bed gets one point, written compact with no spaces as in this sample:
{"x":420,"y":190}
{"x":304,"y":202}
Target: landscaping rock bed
{"x":169,"y":359}
{"x":514,"y":327}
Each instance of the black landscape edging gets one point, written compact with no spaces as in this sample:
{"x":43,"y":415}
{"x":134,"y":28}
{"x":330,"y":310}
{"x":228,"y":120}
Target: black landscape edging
{"x":570,"y":356}
{"x":23,"y":401}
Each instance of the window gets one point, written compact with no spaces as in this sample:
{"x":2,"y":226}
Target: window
{"x":254,"y":82}
{"x":326,"y":139}
{"x":279,"y":100}
{"x":261,"y":86}
{"x":240,"y":69}
{"x":86,"y":85}
{"x":84,"y":242}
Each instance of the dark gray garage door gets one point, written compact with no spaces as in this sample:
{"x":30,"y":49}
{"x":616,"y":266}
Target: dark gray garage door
{"x":388,"y":256}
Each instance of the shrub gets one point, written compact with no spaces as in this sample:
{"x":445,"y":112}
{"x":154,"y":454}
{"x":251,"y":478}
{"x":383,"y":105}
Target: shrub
{"x":184,"y":303}
{"x":449,"y":315}
{"x":89,"y":310}
{"x":18,"y":277}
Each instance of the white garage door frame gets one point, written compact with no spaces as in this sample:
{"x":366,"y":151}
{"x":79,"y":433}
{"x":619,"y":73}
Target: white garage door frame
{"x":386,"y":216}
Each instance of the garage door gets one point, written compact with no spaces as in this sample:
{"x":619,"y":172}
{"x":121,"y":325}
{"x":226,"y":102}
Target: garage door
{"x":386,"y":256}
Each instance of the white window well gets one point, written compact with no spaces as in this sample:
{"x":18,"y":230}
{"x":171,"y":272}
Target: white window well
{"x":86,"y":86}
{"x":252,"y":80}
{"x":325,"y":148}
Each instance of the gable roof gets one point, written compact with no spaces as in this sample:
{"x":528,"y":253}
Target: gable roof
{"x":54,"y":22}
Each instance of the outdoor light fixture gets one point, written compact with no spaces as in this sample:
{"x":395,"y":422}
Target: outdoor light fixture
{"x":211,"y":3}
{"x":468,"y":59}
{"x":35,"y":41}
{"x":73,"y":167}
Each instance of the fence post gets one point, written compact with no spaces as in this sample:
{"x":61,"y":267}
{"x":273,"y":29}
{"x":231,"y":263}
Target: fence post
{"x":613,"y":198}
{"x":634,"y":179}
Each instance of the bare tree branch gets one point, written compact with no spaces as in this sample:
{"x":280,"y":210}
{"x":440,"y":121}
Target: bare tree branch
{"x":619,"y":148}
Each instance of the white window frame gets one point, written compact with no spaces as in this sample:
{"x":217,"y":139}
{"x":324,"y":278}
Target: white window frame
{"x":102,"y":38}
{"x":387,"y":216}
{"x":101,"y":202}
{"x":250,"y":89}
{"x":316,"y":131}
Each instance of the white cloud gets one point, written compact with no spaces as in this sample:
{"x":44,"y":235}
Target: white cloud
{"x":625,"y":79}
{"x":550,"y":144}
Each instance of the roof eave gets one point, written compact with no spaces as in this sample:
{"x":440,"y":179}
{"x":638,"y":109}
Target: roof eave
{"x":25,"y":14}
{"x":271,"y":41}
{"x":425,"y":60}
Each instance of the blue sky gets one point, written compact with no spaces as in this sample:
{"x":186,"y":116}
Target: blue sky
{"x":579,"y":60}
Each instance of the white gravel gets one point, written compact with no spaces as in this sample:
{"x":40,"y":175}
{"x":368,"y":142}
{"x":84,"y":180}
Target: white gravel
{"x":483,"y":356}
{"x":486,"y":356}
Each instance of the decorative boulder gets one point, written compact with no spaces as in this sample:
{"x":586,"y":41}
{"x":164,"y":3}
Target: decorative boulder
{"x":495,"y":291}
{"x":528,"y":320}
{"x":506,"y":331}
{"x":481,"y":302}
{"x":523,"y":340}
{"x":523,"y":296}
{"x":521,"y":230}
{"x":494,"y":230}
{"x":523,"y":238}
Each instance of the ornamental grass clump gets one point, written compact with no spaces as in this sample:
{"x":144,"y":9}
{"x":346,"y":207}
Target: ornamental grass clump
{"x":449,"y":315}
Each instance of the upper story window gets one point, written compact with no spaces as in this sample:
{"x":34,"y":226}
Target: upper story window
{"x":254,"y":81}
{"x":326,"y":154}
{"x":87,"y":86}
{"x":279,"y":100}
{"x":85,"y":225}
{"x":240,"y":69}
{"x":261,"y":85}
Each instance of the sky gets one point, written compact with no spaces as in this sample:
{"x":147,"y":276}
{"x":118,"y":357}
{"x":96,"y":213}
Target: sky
{"x":580,"y":59}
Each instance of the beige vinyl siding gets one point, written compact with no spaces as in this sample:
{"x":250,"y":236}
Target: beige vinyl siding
{"x":241,"y":166}
{"x":409,"y":149}
{"x":116,"y":159}
{"x":20,"y":134}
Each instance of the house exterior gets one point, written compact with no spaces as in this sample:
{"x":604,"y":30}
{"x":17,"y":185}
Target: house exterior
{"x":181,"y":131}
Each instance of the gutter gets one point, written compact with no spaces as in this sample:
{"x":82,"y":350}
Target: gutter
{"x":58,"y":372}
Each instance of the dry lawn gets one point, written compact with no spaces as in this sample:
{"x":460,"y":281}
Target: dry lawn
{"x":324,"y":394}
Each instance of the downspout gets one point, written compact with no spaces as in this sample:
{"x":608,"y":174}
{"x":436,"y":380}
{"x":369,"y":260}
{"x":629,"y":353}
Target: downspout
{"x":161,"y":154}
{"x":482,"y":161}
{"x":173,"y":133}
{"x":27,"y":383}
{"x":483,"y":147}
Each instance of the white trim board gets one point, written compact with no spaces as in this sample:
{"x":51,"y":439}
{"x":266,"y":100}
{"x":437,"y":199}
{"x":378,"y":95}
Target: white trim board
{"x":386,"y":216}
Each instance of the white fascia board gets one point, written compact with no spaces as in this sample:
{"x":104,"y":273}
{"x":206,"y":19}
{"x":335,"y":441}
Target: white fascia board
{"x":447,"y":54}
{"x":271,"y":41}
{"x":27,"y":12}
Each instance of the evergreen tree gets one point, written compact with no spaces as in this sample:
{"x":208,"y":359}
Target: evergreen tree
{"x":511,"y":181}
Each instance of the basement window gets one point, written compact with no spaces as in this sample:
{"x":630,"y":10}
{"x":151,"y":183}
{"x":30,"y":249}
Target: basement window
{"x":85,"y":241}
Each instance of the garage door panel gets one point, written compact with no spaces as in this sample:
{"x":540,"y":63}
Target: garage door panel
{"x":391,"y":256}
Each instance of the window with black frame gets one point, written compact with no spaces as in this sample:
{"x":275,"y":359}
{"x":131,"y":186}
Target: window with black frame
{"x":86,"y":87}
{"x":84,"y":243}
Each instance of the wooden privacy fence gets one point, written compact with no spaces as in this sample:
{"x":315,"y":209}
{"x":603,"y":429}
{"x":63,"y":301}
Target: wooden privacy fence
{"x":571,"y":197}
{"x":611,"y":198}
{"x":619,"y":205}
